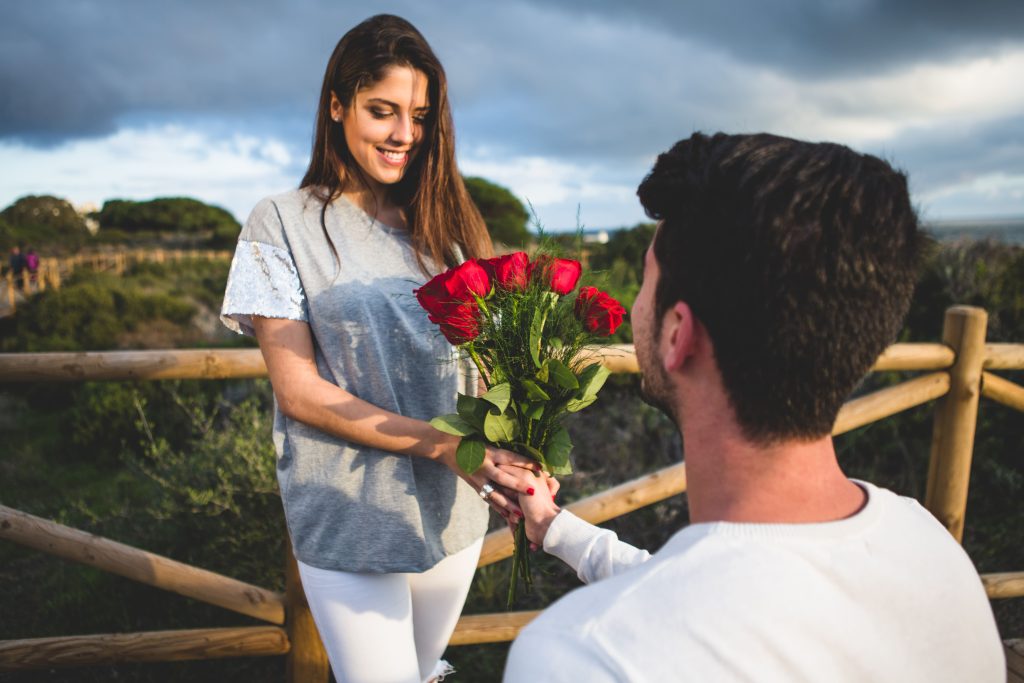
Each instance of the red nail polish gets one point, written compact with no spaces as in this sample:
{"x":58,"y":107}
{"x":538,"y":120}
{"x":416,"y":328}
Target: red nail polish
{"x":529,"y":491}
{"x":552,"y":497}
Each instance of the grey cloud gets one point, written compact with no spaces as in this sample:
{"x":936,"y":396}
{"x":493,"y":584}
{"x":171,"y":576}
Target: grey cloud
{"x":822,"y":38}
{"x":72,"y":69}
{"x":938,"y":158}
{"x":589,"y":82}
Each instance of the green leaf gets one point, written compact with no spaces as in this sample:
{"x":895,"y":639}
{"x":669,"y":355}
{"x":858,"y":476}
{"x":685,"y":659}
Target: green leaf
{"x":534,"y":392}
{"x":555,"y":343}
{"x":500,"y":428}
{"x":592,"y":379}
{"x":499,"y":396}
{"x":540,"y":316}
{"x":556,"y":453}
{"x":473,"y":410}
{"x":543,"y":374}
{"x":470,"y":454}
{"x":534,"y":411}
{"x":452,"y":424}
{"x":562,"y":376}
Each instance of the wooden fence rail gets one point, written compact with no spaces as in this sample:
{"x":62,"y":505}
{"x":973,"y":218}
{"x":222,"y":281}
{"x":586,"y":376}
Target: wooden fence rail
{"x":155,"y":646}
{"x":139,"y":565}
{"x":960,"y":375}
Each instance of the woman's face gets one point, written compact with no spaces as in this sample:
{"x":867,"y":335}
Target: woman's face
{"x":384,"y":123}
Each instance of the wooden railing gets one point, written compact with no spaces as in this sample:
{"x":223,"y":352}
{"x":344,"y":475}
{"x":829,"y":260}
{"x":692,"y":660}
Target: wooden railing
{"x":53,"y":271}
{"x":958,"y":373}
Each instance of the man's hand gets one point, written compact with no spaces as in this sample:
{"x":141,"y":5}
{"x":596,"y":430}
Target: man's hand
{"x":539,"y":509}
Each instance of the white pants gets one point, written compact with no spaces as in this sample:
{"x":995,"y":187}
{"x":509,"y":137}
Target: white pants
{"x":389,"y":628}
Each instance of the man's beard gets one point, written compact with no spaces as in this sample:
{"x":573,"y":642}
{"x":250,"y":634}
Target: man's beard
{"x":656,"y":388}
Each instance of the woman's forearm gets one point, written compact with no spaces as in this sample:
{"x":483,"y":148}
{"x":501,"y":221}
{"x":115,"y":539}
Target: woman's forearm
{"x":325,"y":406}
{"x":303,"y":395}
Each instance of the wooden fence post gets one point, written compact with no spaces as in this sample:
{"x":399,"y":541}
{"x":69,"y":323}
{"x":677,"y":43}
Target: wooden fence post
{"x":306,"y":659}
{"x":956,"y":416}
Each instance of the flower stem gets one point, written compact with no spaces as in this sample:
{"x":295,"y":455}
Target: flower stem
{"x":520,"y":564}
{"x":479,"y":364}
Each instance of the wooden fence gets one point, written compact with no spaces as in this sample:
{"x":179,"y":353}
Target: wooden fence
{"x":957,"y":373}
{"x":53,"y":271}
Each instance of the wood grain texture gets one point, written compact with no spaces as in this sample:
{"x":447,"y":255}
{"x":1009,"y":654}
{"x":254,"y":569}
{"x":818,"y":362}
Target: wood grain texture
{"x":889,"y":401}
{"x":307,"y":659}
{"x":1002,"y":390}
{"x":154,"y":646}
{"x":490,"y":628}
{"x":132,"y":365}
{"x":1004,"y":585}
{"x":1004,"y":356}
{"x":956,"y":418}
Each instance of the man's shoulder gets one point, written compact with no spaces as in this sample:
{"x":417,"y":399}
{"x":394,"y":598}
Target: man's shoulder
{"x":714,"y":572}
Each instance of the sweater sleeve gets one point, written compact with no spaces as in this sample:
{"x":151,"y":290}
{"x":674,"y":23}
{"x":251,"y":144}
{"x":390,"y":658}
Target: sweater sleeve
{"x":593,"y":552}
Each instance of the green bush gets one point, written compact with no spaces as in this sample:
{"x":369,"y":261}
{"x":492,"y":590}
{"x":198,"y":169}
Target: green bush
{"x":179,"y":220}
{"x":166,"y":214}
{"x":40,"y":221}
{"x":194,"y":481}
{"x":89,"y":312}
{"x":504,"y":214}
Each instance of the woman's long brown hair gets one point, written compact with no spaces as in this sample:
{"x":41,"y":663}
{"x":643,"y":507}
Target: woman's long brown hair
{"x":441,"y":217}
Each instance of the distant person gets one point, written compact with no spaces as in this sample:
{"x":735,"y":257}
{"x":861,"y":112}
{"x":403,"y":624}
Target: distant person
{"x":16,"y":266}
{"x":32,"y":265}
{"x":779,"y":272}
{"x":386,"y":527}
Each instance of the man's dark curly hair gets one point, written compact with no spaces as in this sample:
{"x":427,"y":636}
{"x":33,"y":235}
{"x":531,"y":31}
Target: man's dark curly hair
{"x":798,"y":258}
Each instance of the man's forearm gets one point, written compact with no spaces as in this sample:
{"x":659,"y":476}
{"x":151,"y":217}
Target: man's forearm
{"x":594,"y":553}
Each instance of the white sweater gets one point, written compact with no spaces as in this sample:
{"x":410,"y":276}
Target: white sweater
{"x":885,"y":595}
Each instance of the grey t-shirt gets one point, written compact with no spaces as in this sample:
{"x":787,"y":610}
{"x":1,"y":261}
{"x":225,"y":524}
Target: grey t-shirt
{"x":350,"y":507}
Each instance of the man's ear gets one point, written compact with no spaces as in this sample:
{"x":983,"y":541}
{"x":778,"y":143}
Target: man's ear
{"x":678,"y":336}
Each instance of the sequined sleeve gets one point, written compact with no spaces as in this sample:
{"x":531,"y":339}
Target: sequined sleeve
{"x":263,"y":281}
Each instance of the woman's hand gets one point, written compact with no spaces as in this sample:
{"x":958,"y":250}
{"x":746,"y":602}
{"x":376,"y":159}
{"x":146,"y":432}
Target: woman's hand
{"x":508,"y":474}
{"x":538,"y":509}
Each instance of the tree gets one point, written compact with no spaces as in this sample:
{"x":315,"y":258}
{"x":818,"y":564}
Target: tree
{"x":42,"y":220}
{"x":181,"y":215}
{"x":503,"y":213}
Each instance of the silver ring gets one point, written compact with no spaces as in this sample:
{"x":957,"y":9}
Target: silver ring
{"x":485,"y":491}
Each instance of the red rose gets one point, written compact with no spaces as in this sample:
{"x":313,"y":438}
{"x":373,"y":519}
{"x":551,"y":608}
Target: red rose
{"x":461,"y":324}
{"x":599,"y":313}
{"x":452,"y":288}
{"x":560,"y":274}
{"x":509,"y":271}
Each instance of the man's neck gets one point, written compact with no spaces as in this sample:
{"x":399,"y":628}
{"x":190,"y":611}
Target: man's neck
{"x":729,"y":479}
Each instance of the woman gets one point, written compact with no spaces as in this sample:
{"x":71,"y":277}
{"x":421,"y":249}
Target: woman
{"x":386,"y":529}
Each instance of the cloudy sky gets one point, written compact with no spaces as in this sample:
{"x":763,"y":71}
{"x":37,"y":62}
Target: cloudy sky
{"x":565,"y":102}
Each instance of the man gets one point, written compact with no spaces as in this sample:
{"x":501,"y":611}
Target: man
{"x":779,"y":271}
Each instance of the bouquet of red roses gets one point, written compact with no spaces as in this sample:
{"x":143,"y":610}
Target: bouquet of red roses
{"x":524,"y":328}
